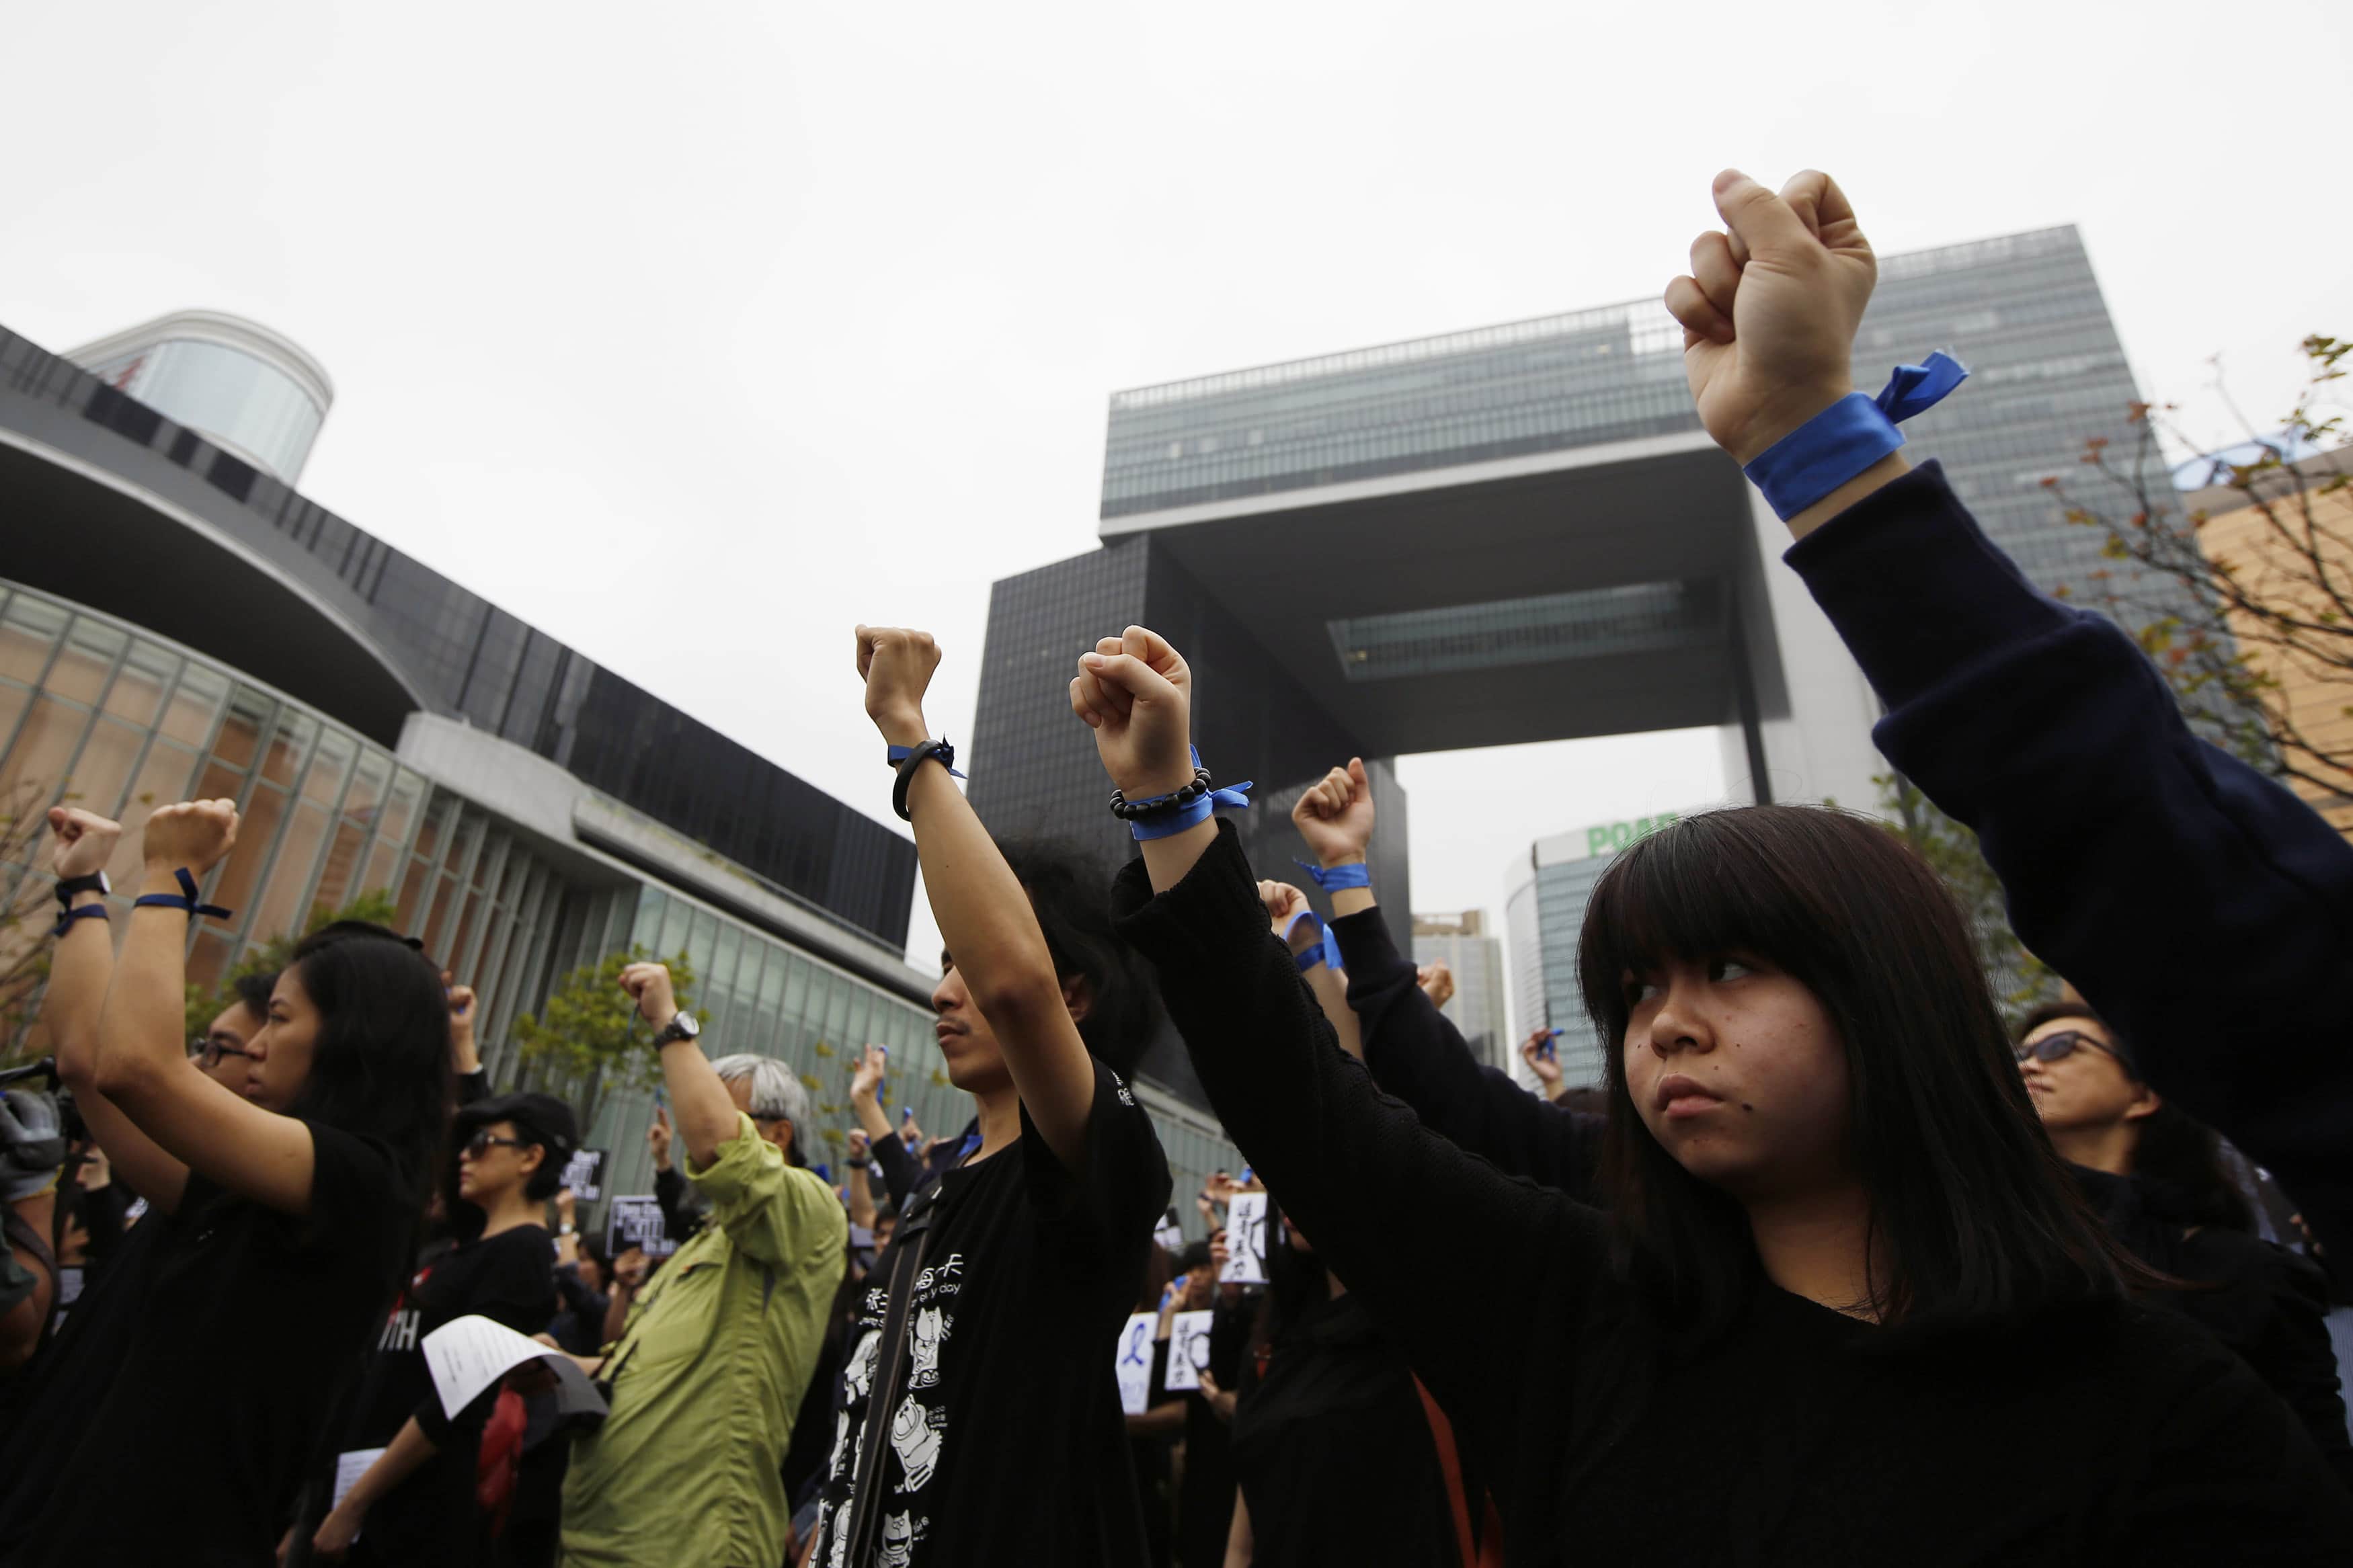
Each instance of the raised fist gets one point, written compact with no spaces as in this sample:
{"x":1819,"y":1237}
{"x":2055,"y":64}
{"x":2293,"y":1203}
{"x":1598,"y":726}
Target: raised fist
{"x":897,"y":666}
{"x":1335,"y":816}
{"x":1285,"y":904}
{"x":861,"y":1150}
{"x":461,"y":1005}
{"x":629,"y":1268}
{"x":1769,"y":310}
{"x":873,"y":1064}
{"x":1135,"y":692}
{"x":657,"y":1137}
{"x":1437,"y":982}
{"x":194,"y":834}
{"x":649,"y":984}
{"x":85,"y":841}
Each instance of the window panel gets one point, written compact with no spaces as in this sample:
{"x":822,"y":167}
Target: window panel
{"x":257,"y":827}
{"x":188,"y":716}
{"x":335,"y":888}
{"x":323,"y":785}
{"x":290,"y":747}
{"x":104,"y":767}
{"x":28,"y":632}
{"x":86,"y":659}
{"x":281,"y":905}
{"x":240,"y":732}
{"x":44,"y":743}
{"x":139,"y":686}
{"x":366,"y":792}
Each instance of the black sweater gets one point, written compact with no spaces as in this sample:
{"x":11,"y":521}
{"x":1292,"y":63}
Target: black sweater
{"x":2105,"y":1433}
{"x":2205,"y":911}
{"x":1416,"y":1054}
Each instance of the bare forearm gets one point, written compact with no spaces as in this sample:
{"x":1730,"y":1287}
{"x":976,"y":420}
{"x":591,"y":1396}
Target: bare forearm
{"x":77,"y":994}
{"x":1238,"y":1543}
{"x":868,"y":1112}
{"x":407,"y":1455}
{"x":861,"y":1197}
{"x":146,"y":998}
{"x":1879,"y":475}
{"x":1331,"y":988}
{"x":701,"y":1106}
{"x":986,"y":923}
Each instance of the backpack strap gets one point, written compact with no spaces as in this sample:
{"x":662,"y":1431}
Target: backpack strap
{"x":1485,"y":1550}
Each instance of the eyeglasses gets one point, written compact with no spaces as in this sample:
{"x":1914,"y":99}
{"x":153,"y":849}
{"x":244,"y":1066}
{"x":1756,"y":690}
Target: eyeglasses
{"x":481,"y":1144}
{"x":210,"y":1051}
{"x":2058,"y":1047}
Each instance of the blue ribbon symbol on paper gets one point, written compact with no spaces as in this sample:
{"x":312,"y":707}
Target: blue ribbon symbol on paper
{"x":1134,"y":1355}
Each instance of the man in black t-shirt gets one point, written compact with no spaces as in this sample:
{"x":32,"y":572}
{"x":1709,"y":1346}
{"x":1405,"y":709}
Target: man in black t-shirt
{"x":980,"y":1418}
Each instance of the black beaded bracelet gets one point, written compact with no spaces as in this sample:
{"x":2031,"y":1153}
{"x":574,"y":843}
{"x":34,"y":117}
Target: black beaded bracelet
{"x":1128,"y":810}
{"x":915,"y":758}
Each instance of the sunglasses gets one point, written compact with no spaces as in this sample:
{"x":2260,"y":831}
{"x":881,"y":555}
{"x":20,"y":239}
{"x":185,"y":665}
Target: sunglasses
{"x":481,"y":1144}
{"x":210,"y":1051}
{"x":2058,"y":1047}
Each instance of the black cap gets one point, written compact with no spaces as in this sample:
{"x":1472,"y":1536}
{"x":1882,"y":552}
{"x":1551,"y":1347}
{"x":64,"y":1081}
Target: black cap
{"x":547,"y":1119}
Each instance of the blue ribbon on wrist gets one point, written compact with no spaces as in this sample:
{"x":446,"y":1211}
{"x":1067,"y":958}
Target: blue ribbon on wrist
{"x":1327,"y":952}
{"x":86,"y":912}
{"x":1356,"y":874}
{"x":898,"y":755}
{"x":185,"y":898}
{"x":1849,"y":436}
{"x":1162,"y":819}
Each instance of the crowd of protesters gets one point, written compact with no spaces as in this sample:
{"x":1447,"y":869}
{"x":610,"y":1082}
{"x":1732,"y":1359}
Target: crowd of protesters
{"x":1833,"y":1267}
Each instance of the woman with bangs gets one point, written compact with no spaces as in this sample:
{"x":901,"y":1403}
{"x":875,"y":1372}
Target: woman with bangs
{"x":1840,"y":1304}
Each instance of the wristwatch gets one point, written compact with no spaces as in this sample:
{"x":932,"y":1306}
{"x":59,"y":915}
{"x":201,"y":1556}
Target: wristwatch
{"x":681,"y":1027}
{"x":68,"y":886}
{"x":564,"y":1230}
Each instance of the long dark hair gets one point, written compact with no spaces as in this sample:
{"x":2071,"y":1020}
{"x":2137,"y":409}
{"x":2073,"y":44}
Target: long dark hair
{"x":380,"y":1067}
{"x":1973,"y":1218}
{"x":2177,"y":1159}
{"x":1071,"y":895}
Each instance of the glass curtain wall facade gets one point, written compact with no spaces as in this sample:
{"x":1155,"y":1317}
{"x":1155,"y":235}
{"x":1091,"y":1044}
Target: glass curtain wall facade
{"x":98,"y":715}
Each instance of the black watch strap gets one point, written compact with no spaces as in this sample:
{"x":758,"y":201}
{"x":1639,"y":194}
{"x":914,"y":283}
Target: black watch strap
{"x":95,"y":882}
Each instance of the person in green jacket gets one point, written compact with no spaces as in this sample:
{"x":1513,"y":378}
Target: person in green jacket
{"x":711,"y":1364}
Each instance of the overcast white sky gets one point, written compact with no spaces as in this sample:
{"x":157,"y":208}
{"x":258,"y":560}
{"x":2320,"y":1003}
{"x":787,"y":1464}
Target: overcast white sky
{"x":695,"y":334}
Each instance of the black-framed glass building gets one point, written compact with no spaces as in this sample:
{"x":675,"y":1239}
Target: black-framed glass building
{"x":1520,"y":533}
{"x":175,"y":623}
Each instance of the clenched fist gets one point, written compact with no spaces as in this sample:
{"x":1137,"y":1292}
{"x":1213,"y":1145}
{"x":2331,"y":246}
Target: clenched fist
{"x":1335,"y":816}
{"x":1769,"y":308}
{"x":896,"y":664}
{"x":649,"y":984}
{"x":194,"y":834}
{"x":1135,"y":692}
{"x":85,"y":841}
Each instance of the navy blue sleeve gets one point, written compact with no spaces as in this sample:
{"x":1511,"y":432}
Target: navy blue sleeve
{"x":2200,"y":907}
{"x":1416,"y":1054}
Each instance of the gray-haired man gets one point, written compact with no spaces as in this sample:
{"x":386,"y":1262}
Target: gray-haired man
{"x":710,"y":1367}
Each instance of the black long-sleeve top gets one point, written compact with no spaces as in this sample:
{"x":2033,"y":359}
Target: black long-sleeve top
{"x":1416,"y":1054}
{"x":2203,"y":908}
{"x":2103,"y":1433}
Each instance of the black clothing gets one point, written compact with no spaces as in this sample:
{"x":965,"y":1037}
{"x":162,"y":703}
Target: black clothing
{"x":579,"y":1322}
{"x":431,"y":1517}
{"x":2046,"y":729}
{"x":1005,"y":1425}
{"x":900,"y":1176}
{"x":1797,"y":1436}
{"x":2266,"y":1303}
{"x":681,"y":1212}
{"x":1335,"y":1453}
{"x":1205,"y":1502}
{"x":47,"y":1417}
{"x":252,"y":1322}
{"x":1416,"y":1054}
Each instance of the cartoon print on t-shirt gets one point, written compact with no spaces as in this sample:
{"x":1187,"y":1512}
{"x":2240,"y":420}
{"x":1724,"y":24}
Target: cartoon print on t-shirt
{"x":931,"y":1331}
{"x":915,"y":1434}
{"x":858,"y":1378}
{"x":899,"y":1534}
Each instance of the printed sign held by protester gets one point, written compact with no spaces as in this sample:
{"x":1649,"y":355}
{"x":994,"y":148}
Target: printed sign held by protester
{"x":1188,"y":1349}
{"x":1246,"y":1240}
{"x":585,"y":1174}
{"x":1168,"y":1233}
{"x":1136,"y":1363}
{"x":636,"y":1222}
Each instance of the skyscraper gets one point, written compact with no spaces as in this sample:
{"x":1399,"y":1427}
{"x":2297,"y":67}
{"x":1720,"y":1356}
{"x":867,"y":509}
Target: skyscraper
{"x":1480,"y":1006}
{"x":1544,"y":911}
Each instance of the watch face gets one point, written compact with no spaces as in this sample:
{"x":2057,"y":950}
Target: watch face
{"x":685,"y":1025}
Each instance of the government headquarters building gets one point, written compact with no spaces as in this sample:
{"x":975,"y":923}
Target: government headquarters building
{"x":1520,"y":533}
{"x":178,"y":620}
